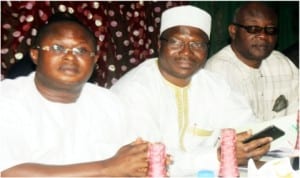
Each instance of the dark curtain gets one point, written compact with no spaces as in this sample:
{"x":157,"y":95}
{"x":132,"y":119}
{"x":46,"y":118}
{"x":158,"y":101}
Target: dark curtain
{"x":127,"y":32}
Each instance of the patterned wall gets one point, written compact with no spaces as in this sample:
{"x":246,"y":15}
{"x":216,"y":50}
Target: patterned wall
{"x":127,"y":32}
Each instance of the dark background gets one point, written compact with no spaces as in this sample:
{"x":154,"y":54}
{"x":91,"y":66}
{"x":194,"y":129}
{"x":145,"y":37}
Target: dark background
{"x":222,"y":13}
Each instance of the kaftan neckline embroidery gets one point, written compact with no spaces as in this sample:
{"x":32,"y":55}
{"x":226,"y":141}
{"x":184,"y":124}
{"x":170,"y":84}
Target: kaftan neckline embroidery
{"x":181,"y":94}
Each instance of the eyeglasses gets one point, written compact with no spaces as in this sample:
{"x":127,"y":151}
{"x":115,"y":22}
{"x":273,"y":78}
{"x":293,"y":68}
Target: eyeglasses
{"x":60,"y":50}
{"x":178,"y":45}
{"x":257,"y":29}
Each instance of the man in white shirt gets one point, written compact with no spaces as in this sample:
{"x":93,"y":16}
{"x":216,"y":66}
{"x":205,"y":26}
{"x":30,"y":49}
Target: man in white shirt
{"x":171,"y":99}
{"x":53,"y":123}
{"x":267,"y":78}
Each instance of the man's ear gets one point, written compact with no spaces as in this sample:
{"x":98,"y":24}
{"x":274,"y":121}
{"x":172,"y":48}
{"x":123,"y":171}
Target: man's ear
{"x":232,"y":31}
{"x":96,"y":57}
{"x":158,"y":45}
{"x":34,"y":53}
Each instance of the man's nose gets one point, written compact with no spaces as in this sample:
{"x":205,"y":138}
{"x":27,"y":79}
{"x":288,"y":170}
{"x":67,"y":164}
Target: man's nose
{"x":69,"y":54}
{"x":262,"y":34}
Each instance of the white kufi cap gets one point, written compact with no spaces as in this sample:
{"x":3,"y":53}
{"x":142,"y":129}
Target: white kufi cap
{"x":186,"y":16}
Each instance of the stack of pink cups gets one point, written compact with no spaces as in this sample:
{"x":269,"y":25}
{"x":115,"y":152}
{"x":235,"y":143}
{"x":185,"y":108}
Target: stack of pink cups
{"x":228,"y":165}
{"x":157,"y":160}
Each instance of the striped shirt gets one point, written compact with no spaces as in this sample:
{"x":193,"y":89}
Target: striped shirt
{"x":272,"y":89}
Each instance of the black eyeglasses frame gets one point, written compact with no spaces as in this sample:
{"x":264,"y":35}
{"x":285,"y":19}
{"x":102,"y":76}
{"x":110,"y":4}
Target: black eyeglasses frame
{"x":254,"y":29}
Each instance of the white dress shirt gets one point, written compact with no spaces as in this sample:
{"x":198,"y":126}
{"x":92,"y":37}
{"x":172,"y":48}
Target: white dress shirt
{"x":34,"y":129}
{"x":155,"y":114}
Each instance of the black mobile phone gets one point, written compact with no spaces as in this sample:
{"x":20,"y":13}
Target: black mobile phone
{"x":295,"y":163}
{"x":271,"y":131}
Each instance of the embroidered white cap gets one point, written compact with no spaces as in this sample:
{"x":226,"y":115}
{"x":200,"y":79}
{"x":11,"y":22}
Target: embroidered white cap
{"x":186,"y":15}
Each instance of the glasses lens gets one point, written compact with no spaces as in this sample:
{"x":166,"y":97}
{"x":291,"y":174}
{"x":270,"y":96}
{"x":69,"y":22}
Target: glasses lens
{"x":57,"y":49}
{"x":83,"y":52}
{"x":198,"y":46}
{"x":271,"y":30}
{"x":80,"y":51}
{"x":253,"y":29}
{"x":175,"y":44}
{"x":258,"y":29}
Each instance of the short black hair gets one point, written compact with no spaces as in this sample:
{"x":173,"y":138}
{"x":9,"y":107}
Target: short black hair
{"x":60,"y":18}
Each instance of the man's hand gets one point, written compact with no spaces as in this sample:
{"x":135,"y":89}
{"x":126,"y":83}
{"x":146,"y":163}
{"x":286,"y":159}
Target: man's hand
{"x":130,"y":160}
{"x":254,"y":149}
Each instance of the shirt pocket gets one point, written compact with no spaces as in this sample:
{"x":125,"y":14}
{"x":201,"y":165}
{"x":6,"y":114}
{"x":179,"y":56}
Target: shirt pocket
{"x":198,"y":136}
